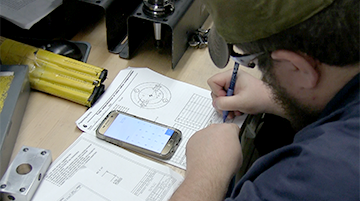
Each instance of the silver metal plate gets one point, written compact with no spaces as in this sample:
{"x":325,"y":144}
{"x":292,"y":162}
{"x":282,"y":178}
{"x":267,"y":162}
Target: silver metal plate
{"x":24,"y":174}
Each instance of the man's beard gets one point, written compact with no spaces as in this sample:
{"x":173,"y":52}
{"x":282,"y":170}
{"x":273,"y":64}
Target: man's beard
{"x":299,"y":114}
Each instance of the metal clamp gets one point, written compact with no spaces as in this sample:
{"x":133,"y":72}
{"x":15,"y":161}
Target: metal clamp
{"x":199,"y":39}
{"x":24,"y":174}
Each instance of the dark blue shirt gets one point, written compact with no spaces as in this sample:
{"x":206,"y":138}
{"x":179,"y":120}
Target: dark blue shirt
{"x":321,"y":164}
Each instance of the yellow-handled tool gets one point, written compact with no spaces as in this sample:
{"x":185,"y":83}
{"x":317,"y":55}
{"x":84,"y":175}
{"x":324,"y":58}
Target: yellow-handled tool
{"x":55,"y":74}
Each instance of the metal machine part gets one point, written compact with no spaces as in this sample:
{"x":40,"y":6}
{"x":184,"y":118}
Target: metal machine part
{"x":129,"y":24}
{"x":199,"y":39}
{"x":176,"y":28}
{"x":24,"y":174}
{"x":159,"y":8}
{"x":157,"y":33}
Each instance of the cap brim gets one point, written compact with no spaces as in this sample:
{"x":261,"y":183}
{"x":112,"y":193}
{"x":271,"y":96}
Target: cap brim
{"x":218,"y":48}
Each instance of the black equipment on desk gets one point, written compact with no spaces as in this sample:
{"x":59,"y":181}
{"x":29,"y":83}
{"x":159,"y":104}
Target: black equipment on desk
{"x":129,"y":24}
{"x":176,"y":23}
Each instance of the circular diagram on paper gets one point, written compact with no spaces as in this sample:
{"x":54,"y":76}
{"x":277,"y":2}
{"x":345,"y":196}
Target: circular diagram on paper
{"x":150,"y":95}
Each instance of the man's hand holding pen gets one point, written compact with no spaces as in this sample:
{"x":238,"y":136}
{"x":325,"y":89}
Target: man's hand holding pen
{"x":251,"y":95}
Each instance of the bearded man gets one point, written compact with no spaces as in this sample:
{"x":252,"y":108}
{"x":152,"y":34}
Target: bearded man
{"x":308,"y":52}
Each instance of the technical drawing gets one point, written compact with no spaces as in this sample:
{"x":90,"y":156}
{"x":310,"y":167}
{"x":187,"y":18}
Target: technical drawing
{"x":113,"y":178}
{"x":150,"y":95}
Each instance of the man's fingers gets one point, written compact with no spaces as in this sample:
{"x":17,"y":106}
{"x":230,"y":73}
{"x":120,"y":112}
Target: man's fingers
{"x":227,"y":103}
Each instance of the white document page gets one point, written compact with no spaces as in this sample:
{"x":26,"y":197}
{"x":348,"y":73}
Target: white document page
{"x":115,"y":168}
{"x":87,"y":185}
{"x":25,"y":13}
{"x":150,"y":95}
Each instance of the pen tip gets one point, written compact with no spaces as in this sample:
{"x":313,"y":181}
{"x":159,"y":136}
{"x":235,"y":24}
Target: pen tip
{"x":225,"y":114}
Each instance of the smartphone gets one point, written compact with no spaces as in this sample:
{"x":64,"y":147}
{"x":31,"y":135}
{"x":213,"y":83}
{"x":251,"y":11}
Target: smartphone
{"x":139,"y":134}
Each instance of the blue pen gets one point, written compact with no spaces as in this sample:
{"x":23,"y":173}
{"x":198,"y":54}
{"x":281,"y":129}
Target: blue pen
{"x":245,"y":60}
{"x":230,"y":91}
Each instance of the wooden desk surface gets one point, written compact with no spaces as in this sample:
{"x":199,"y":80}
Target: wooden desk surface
{"x":49,"y":121}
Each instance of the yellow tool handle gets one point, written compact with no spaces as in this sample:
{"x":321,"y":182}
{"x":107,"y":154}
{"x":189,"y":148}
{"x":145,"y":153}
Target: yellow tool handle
{"x":67,"y":62}
{"x":55,"y":74}
{"x":47,"y":66}
{"x":61,"y":91}
{"x":61,"y":79}
{"x":13,"y":52}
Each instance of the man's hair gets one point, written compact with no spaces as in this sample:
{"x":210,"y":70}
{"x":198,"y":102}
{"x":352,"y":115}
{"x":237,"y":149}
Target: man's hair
{"x":331,"y":36}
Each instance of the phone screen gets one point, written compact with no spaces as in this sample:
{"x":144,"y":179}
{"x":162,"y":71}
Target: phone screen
{"x":138,"y":132}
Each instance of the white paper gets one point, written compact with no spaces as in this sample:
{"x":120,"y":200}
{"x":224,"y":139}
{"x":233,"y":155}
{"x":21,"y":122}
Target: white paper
{"x":145,"y":93}
{"x":25,"y":13}
{"x":87,"y":185}
{"x":111,"y":167}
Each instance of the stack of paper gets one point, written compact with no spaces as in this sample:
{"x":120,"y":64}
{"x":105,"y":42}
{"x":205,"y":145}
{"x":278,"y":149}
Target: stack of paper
{"x":95,"y":170}
{"x":150,"y":95}
{"x":92,"y":169}
{"x":25,"y":13}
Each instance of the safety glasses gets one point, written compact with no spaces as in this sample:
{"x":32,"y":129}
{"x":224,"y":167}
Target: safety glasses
{"x":247,"y":60}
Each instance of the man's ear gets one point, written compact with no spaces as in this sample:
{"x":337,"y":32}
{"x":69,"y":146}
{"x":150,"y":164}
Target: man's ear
{"x":302,"y":67}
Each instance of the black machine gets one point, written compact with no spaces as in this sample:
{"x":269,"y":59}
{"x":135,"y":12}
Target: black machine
{"x":170,"y":23}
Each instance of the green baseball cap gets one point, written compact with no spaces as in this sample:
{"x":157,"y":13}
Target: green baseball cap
{"x":239,"y":21}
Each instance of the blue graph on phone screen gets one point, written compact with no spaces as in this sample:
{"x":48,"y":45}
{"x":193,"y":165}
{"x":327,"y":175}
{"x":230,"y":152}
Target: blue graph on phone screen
{"x":140,"y":133}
